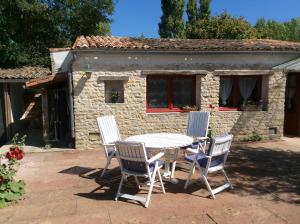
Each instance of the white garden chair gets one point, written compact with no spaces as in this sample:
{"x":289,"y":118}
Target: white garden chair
{"x":211,"y":162}
{"x":198,"y":129}
{"x":134,"y":161}
{"x":110,"y":134}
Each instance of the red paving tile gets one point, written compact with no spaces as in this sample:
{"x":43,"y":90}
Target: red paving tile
{"x":65,"y":187}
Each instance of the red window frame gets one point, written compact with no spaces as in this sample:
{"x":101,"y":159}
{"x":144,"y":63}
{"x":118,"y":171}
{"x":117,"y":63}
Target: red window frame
{"x":171,"y":107}
{"x":236,"y":95}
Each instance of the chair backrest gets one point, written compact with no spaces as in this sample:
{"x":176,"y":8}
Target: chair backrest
{"x":198,"y":124}
{"x":218,"y":150}
{"x":219,"y":145}
{"x":132,"y":156}
{"x":108,"y":129}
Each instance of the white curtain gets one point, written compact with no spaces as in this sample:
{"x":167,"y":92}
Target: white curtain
{"x":225,"y":90}
{"x":247,"y":86}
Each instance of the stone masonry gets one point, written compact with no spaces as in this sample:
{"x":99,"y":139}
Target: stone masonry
{"x":132,"y":119}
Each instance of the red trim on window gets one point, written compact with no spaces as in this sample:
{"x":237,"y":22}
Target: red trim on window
{"x":158,"y":110}
{"x":229,"y":109}
{"x":171,"y":107}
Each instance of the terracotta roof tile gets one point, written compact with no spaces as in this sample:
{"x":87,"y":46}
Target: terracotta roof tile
{"x":27,"y":72}
{"x":105,"y":42}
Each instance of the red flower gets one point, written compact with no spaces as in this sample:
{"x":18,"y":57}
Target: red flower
{"x":15,"y":153}
{"x":1,"y":179}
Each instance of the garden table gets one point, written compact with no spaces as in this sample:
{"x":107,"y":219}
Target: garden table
{"x":166,"y":142}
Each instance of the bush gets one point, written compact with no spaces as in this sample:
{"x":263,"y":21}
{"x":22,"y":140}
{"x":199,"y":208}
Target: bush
{"x":222,"y":26}
{"x":255,"y":137}
{"x":10,"y":189}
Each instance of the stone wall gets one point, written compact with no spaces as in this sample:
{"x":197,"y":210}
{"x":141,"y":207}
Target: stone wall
{"x":132,"y":119}
{"x":243,"y":124}
{"x":131,"y":116}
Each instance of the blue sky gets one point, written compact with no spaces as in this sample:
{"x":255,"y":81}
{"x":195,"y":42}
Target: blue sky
{"x":136,"y":17}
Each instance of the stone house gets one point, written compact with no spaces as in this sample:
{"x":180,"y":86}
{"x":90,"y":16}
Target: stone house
{"x":251,"y":87}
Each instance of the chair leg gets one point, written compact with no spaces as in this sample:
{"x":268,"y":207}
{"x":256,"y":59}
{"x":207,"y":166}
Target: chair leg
{"x":208,"y":186}
{"x":174,"y":163}
{"x":106,"y":166}
{"x":189,"y":177}
{"x":161,"y":183}
{"x":194,"y":169}
{"x":137,"y":181}
{"x":226,"y":178}
{"x":152,"y":180}
{"x":119,"y":188}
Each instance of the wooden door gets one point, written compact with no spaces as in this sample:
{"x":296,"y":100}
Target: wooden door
{"x":292,"y":105}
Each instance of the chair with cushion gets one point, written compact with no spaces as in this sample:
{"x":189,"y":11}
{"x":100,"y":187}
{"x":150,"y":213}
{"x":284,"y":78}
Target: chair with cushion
{"x":110,"y":134}
{"x":134,"y":162}
{"x":213,"y":161}
{"x":198,"y":122}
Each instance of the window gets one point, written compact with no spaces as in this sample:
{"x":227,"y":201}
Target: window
{"x":170,"y":93}
{"x":236,"y":91}
{"x":114,"y":91}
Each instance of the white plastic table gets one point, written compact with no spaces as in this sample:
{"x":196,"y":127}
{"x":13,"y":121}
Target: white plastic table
{"x":166,"y":142}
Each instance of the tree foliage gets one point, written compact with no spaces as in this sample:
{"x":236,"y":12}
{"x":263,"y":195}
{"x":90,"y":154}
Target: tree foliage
{"x":204,"y":10}
{"x":192,"y":11}
{"x":271,"y":29}
{"x":223,"y":26}
{"x":28,"y":28}
{"x":171,"y":22}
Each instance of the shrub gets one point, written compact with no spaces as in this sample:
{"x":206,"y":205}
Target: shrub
{"x":255,"y":137}
{"x":10,"y":189}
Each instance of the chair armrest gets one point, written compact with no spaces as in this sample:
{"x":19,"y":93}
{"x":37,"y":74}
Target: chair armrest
{"x":195,"y":151}
{"x":202,"y":138}
{"x":157,"y":156}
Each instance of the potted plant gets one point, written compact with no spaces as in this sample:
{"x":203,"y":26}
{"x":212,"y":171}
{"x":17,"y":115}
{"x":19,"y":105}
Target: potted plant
{"x":189,"y":108}
{"x":114,"y":96}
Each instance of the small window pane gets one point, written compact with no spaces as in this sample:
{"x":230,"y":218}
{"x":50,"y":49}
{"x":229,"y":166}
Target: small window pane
{"x":158,"y":93}
{"x":183,"y":92}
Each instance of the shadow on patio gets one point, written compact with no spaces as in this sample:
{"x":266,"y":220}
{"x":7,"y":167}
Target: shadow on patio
{"x":253,"y":171}
{"x":262,"y":171}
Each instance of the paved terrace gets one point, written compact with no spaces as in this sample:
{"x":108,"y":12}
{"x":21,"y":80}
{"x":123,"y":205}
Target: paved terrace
{"x":64,"y":187}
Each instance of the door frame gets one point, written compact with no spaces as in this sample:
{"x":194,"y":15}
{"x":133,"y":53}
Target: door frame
{"x":297,"y":105}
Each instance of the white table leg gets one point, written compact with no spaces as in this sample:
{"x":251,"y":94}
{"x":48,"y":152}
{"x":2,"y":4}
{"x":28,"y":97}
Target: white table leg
{"x":169,"y":175}
{"x":167,"y":172}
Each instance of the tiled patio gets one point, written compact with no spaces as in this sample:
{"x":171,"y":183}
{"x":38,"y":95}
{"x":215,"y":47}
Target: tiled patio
{"x":64,"y":187}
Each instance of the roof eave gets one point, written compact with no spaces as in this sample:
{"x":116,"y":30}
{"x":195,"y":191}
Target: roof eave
{"x":118,"y":50}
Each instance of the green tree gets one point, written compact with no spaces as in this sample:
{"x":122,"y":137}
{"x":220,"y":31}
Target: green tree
{"x":191,"y":11}
{"x":28,"y":28}
{"x":78,"y":17}
{"x":271,"y":29}
{"x":223,"y":26}
{"x":204,"y":10}
{"x":171,"y":22}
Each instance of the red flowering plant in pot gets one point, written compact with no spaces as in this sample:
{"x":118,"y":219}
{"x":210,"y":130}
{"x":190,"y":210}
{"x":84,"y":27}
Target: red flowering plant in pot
{"x":11,"y":190}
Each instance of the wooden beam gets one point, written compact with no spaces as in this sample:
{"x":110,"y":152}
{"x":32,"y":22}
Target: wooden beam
{"x":6,"y":80}
{"x":243,"y":72}
{"x":47,"y":80}
{"x":45,"y":116}
{"x":8,"y":111}
{"x":174,"y":72}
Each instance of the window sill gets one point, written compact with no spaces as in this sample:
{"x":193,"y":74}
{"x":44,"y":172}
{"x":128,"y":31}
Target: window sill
{"x":164,"y":110}
{"x":229,"y":109}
